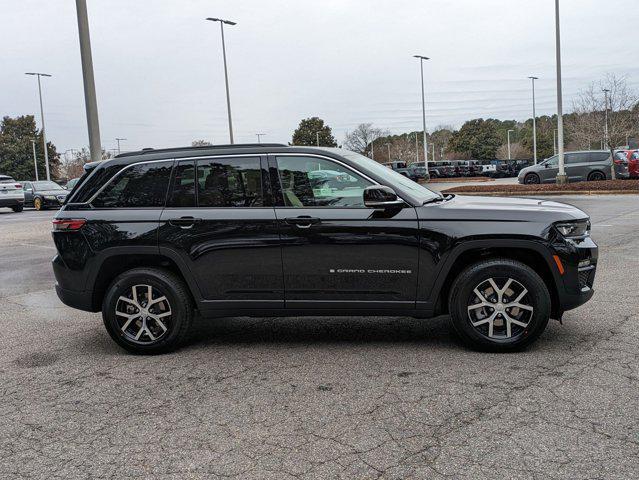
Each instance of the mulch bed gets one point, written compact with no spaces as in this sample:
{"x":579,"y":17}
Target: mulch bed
{"x":603,"y":186}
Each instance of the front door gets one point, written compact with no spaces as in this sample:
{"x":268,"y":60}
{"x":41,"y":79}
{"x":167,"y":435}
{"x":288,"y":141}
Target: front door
{"x":28,"y":192}
{"x":336,"y":253}
{"x":219,"y":225}
{"x":548,"y":173}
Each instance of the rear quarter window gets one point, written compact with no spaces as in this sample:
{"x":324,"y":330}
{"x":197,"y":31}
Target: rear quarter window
{"x":599,"y":156}
{"x":138,"y":186}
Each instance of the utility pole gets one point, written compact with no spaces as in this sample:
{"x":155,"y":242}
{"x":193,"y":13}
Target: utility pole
{"x":35,"y":161}
{"x":561,"y":176}
{"x":509,"y":143}
{"x":534,"y":120}
{"x":421,"y":66}
{"x":226,"y":75}
{"x":119,"y":140}
{"x":259,"y":137}
{"x":389,"y":156}
{"x":90,"y":100}
{"x":44,"y":135}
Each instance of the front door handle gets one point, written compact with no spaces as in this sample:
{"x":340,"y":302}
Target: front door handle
{"x":302,"y":221}
{"x":184,"y":222}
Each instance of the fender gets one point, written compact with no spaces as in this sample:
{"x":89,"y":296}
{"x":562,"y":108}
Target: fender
{"x":464,"y":246}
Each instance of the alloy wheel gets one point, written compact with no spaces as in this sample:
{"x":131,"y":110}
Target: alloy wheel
{"x":499,"y":308}
{"x":143,"y":314}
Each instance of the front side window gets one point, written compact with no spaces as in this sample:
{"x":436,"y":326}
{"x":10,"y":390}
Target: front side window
{"x":552,"y":161}
{"x":317,"y":182}
{"x":229,"y":182}
{"x":141,"y":186}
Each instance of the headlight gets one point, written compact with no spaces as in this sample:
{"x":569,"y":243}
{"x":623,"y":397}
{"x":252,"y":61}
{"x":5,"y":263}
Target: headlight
{"x":50,"y":197}
{"x":574,"y":229}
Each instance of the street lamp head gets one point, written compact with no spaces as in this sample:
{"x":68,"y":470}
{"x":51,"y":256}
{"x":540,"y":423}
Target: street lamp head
{"x":534,"y":78}
{"x":421,"y":57}
{"x":228,"y":22}
{"x":38,"y":73}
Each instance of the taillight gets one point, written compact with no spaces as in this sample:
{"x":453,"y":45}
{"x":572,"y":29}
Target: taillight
{"x":68,"y":224}
{"x":17,"y":185}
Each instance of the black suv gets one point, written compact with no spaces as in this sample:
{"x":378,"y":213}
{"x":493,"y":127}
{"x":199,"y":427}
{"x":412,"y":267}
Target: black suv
{"x":156,"y":237}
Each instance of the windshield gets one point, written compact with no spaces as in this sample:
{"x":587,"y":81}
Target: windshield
{"x":47,"y":186}
{"x":407,"y":184}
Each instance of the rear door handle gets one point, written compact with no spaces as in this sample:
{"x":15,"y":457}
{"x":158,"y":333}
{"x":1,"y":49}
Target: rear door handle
{"x":184,"y":222}
{"x":302,"y":221}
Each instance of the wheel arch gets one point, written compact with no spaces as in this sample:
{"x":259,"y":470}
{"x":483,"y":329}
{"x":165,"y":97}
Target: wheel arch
{"x":115,"y":264}
{"x":529,"y":253}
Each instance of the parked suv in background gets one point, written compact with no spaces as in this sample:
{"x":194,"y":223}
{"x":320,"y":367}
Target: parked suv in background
{"x":587,"y":165}
{"x":152,"y":237}
{"x":43,"y":194}
{"x":11,"y":194}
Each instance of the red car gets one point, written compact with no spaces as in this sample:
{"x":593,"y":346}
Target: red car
{"x":633,"y":162}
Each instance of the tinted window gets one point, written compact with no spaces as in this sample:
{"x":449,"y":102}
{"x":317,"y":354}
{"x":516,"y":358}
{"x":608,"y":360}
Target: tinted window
{"x":95,"y":179}
{"x":229,"y":182}
{"x":635,"y":156}
{"x":141,"y":185}
{"x":316,"y":182}
{"x":572,"y":158}
{"x":183,"y":191}
{"x":599,"y":156}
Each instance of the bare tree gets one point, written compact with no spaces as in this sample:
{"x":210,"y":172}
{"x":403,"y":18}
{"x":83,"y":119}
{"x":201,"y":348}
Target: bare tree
{"x":360,"y":139}
{"x":517,"y":152}
{"x":594,"y":120}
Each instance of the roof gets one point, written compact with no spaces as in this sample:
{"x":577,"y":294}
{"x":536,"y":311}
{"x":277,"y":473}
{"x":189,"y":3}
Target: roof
{"x":198,"y":149}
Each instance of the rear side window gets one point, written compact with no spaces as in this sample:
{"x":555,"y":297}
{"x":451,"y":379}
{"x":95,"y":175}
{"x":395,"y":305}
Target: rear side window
{"x":93,"y":182}
{"x":183,"y":191}
{"x":573,"y":158}
{"x":229,"y":182}
{"x":141,"y":186}
{"x":599,"y":156}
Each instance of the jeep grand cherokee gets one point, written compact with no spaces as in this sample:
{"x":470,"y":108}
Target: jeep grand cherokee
{"x":153,"y":238}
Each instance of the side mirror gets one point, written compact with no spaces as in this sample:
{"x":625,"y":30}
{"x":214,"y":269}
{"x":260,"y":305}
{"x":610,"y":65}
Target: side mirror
{"x":546,"y":165}
{"x":381,"y":196}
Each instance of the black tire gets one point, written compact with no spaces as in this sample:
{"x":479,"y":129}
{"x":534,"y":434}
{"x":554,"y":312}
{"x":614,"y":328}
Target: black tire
{"x":163,"y":283}
{"x":462,"y":295}
{"x":532,"y":179}
{"x":38,"y":204}
{"x":17,"y":208}
{"x":596,"y":176}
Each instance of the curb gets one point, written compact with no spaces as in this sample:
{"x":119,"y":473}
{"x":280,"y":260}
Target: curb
{"x":549,"y":193}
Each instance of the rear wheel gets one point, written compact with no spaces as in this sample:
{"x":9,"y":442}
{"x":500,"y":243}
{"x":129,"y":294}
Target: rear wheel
{"x":532,"y":179}
{"x":148,"y":311}
{"x":499,"y":305}
{"x":17,"y":208}
{"x":596,"y":177}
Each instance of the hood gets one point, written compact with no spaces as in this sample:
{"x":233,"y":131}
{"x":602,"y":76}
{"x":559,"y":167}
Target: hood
{"x":507,"y":209}
{"x":57,"y":193}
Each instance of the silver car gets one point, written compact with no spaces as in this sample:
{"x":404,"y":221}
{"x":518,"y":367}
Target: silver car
{"x":586,"y":165}
{"x":11,"y":194}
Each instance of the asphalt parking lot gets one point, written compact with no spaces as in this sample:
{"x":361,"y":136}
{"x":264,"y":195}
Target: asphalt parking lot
{"x":319,"y":397}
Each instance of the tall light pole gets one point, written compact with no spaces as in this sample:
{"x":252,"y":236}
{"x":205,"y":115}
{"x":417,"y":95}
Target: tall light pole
{"x":44,"y":135}
{"x":35,"y":161}
{"x":259,"y":137}
{"x":416,"y":148}
{"x":421,"y":67}
{"x":606,"y":92}
{"x":534,"y":120}
{"x":372,"y":149}
{"x":554,"y":141}
{"x":226,"y":74}
{"x":119,"y":140}
{"x":509,"y":143}
{"x":433,"y":146}
{"x":561,"y":176}
{"x":389,"y":156}
{"x":90,"y":101}
{"x":317,"y":138}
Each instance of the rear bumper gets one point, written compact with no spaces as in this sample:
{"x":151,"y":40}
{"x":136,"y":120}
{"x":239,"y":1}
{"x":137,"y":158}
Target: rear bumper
{"x":11,"y":202}
{"x":75,"y":299}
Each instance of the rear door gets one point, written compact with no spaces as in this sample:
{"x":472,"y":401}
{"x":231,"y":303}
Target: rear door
{"x":577,"y":166}
{"x":336,"y":253}
{"x":220,"y":223}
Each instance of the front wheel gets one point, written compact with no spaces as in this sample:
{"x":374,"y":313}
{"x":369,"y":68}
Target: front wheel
{"x":148,"y":311}
{"x":532,"y":179}
{"x":37,"y":203}
{"x":499,"y":305}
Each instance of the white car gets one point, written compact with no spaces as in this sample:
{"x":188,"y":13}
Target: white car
{"x":11,"y":194}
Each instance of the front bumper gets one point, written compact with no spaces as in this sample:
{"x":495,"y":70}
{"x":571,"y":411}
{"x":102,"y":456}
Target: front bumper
{"x":53,"y":201}
{"x":579,"y":260}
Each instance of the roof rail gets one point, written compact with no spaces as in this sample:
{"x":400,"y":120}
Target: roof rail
{"x":146,"y":151}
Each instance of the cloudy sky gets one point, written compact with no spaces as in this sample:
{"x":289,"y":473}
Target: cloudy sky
{"x":159,"y":76}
